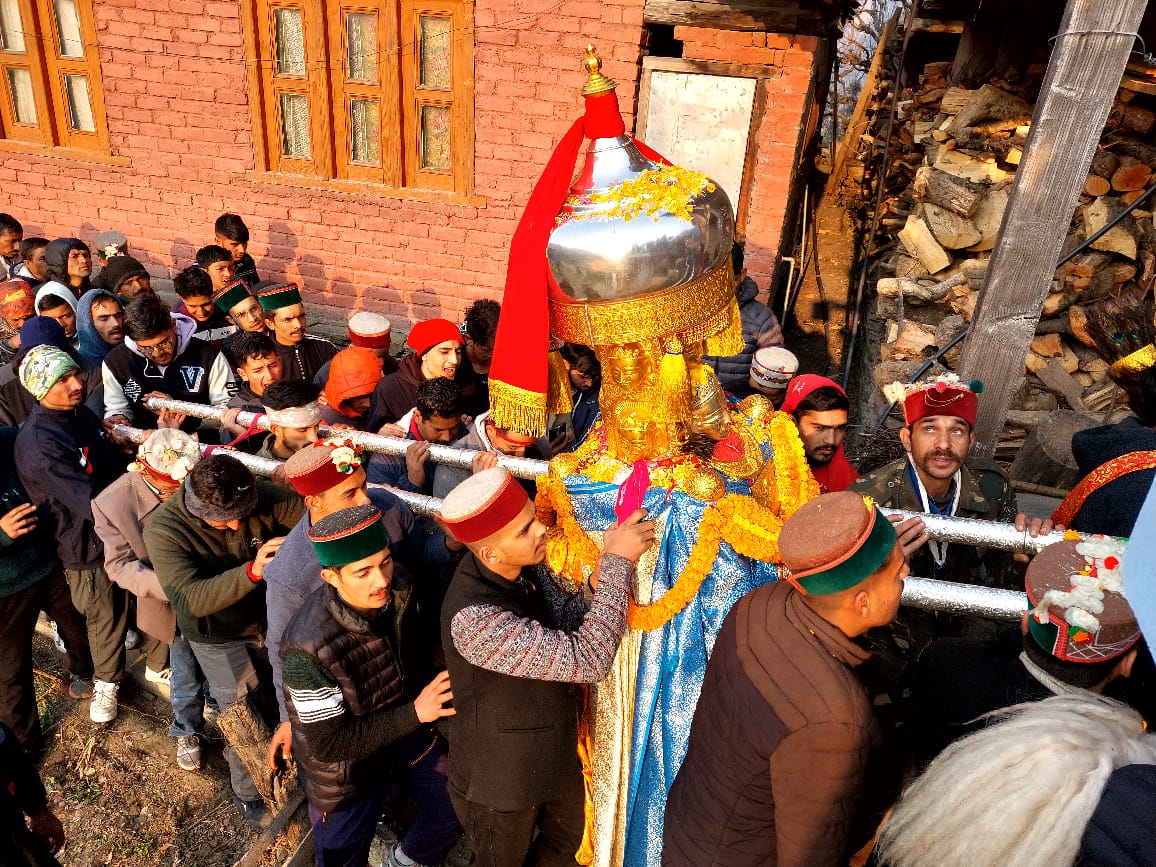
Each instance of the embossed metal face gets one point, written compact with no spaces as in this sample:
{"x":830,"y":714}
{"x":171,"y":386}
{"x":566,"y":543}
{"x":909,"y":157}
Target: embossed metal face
{"x":596,"y":254}
{"x":709,"y":413}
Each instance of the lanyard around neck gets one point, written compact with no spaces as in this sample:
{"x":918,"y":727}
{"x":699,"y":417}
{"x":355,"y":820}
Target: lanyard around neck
{"x":938,"y":549}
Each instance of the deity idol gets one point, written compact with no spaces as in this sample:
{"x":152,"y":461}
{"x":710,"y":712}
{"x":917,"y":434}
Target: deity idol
{"x":630,"y":255}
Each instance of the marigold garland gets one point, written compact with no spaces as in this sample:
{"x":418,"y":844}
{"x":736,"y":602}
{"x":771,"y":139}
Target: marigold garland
{"x":751,"y":529}
{"x":669,"y":188}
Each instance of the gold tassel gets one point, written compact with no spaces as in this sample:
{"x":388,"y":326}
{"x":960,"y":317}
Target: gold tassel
{"x":517,"y":409}
{"x":728,"y":341}
{"x":558,"y":399}
{"x":674,"y":383}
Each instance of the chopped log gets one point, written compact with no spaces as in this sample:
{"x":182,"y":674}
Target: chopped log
{"x":907,"y":266}
{"x":1078,"y":326}
{"x":965,"y":306}
{"x":1129,"y":178}
{"x":1105,"y":163}
{"x":1057,"y":302}
{"x":1097,"y":186}
{"x":954,"y":99}
{"x":921,"y":244}
{"x":1034,"y":362}
{"x":950,"y":229}
{"x":1046,"y":457}
{"x":1048,"y":345}
{"x":1131,"y":196}
{"x":969,"y":168}
{"x":1097,"y":214}
{"x":1013,"y":156}
{"x":912,"y":342}
{"x":1138,"y":119}
{"x":248,"y":735}
{"x":940,"y":135}
{"x":1122,"y":272}
{"x":987,"y":219}
{"x":991,"y":109}
{"x":1055,"y":325}
{"x":1060,"y":383}
{"x":946,"y":191}
{"x":916,"y":292}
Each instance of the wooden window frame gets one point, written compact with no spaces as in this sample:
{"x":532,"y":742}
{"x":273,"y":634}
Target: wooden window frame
{"x":331,"y":91}
{"x":42,"y":57}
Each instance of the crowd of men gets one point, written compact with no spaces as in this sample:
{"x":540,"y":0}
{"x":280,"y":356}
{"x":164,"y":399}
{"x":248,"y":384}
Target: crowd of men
{"x":389,"y":649}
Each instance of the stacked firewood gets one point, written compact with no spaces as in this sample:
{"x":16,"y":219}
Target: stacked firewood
{"x":952,"y":161}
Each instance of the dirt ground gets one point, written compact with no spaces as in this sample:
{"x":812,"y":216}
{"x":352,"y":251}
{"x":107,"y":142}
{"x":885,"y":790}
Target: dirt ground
{"x":123,"y":800}
{"x":117,"y":788}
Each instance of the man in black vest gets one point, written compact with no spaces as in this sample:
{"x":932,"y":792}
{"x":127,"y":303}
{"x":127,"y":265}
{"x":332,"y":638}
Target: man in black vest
{"x":357,"y":726}
{"x":515,"y":641}
{"x":161,"y":358}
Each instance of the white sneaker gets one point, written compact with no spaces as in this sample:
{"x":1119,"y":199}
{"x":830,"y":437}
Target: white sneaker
{"x":161,"y":676}
{"x":131,"y":639}
{"x":102,"y":708}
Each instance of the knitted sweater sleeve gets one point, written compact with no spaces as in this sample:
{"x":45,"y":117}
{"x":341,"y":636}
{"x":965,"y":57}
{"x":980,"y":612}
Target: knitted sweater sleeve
{"x":499,"y":640}
{"x":331,"y":731}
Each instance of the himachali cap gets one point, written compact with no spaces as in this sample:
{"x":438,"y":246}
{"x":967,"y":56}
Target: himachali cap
{"x":430,"y":332}
{"x":772,"y":367}
{"x":945,"y":395}
{"x":230,"y":296}
{"x":322,"y":466}
{"x":279,"y":295}
{"x":834,"y":542}
{"x":110,"y":244}
{"x":1079,"y":611}
{"x":482,"y":505}
{"x":348,"y":536}
{"x":370,"y":330}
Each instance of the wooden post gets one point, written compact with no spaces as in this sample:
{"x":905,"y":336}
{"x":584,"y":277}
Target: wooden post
{"x":1083,"y":76}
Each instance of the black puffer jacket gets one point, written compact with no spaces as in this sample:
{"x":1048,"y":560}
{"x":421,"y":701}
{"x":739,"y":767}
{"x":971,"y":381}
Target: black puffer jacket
{"x":760,"y":329}
{"x":365,"y":660}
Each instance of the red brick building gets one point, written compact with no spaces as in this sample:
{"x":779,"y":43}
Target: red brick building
{"x":380,"y":152}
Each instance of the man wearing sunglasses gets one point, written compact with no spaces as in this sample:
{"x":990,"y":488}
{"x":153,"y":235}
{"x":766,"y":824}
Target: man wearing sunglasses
{"x":161,"y":358}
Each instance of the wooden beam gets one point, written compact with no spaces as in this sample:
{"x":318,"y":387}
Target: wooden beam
{"x":857,"y":125}
{"x":1083,"y":75}
{"x":742,"y":15}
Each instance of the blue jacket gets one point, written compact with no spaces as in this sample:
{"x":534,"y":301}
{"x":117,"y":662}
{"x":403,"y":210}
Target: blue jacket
{"x":91,"y":347}
{"x":295,"y":571}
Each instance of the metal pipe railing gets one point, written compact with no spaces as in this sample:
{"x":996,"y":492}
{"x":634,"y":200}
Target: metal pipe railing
{"x":940,"y":528}
{"x":523,"y":468}
{"x":926,"y":593}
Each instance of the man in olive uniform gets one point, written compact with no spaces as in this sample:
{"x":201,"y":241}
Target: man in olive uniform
{"x":938,"y":477}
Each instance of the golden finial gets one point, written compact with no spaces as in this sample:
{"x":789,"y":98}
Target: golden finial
{"x":597,"y":82}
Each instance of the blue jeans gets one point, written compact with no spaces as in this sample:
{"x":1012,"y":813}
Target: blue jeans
{"x":344,"y":836}
{"x":186,"y":689}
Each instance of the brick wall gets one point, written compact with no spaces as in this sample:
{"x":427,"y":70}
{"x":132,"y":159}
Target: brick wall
{"x":174,"y":80}
{"x":795,"y":81}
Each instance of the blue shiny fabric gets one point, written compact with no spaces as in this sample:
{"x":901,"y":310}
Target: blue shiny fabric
{"x":673,"y":658}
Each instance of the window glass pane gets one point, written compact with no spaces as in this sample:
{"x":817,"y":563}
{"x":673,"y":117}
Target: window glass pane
{"x":23,"y":99}
{"x":361,"y":44}
{"x":365,"y":132}
{"x":79,"y":103}
{"x":295,"y":126}
{"x":436,"y":52}
{"x":290,"y":39}
{"x":435,"y":138}
{"x":68,"y":28}
{"x":11,"y":28}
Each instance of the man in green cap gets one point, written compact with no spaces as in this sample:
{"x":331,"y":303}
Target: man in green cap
{"x":358,"y":726}
{"x":302,"y":355}
{"x":775,"y":772}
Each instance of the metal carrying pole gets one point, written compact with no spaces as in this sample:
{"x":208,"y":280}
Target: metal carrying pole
{"x":926,"y":593}
{"x":981,"y":534}
{"x":523,"y":468}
